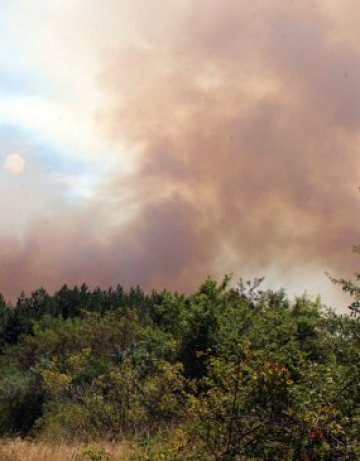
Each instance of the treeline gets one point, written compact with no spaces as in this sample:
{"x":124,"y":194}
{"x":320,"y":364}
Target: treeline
{"x":221,"y":374}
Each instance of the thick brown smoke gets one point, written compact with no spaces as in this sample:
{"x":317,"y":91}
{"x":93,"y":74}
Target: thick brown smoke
{"x":245,"y":117}
{"x":251,"y":115}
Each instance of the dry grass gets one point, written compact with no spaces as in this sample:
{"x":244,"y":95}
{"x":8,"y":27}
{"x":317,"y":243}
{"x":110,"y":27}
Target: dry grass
{"x":21,"y":450}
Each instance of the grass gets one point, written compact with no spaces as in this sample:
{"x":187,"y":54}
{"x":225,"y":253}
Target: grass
{"x":22,"y":450}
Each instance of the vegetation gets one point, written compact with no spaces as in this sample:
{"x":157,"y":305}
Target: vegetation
{"x":221,"y":374}
{"x":24,"y":450}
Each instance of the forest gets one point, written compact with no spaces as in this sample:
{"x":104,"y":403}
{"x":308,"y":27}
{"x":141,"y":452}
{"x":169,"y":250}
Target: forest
{"x":229,"y":372}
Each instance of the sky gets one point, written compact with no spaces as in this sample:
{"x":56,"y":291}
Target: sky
{"x":158,"y":142}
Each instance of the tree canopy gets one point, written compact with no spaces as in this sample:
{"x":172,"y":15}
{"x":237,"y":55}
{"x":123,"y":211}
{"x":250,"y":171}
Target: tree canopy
{"x":225,"y":373}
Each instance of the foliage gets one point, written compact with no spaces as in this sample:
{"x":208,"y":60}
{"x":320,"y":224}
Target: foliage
{"x":96,"y":454}
{"x":225,"y":373}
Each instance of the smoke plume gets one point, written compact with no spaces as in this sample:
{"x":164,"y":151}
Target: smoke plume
{"x":243,"y":122}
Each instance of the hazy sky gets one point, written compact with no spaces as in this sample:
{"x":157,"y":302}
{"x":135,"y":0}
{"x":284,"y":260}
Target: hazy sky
{"x":156,"y":142}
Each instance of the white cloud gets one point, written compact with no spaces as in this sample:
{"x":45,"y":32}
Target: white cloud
{"x":51,"y":52}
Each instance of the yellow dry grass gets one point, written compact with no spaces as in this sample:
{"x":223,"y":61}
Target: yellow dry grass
{"x":21,"y":450}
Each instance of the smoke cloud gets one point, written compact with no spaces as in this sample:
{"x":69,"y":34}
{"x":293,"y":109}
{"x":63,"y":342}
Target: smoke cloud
{"x":243,"y":123}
